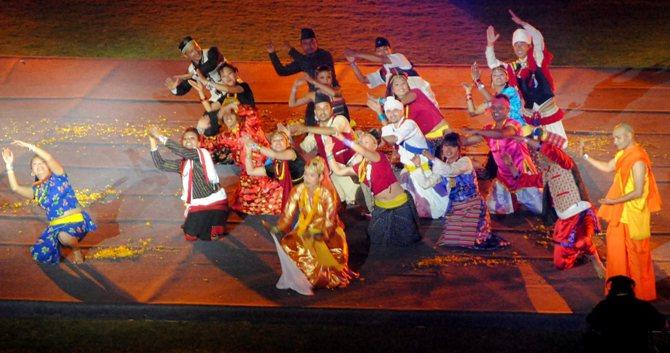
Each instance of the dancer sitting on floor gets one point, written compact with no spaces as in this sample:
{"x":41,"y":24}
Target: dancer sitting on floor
{"x":432,"y":202}
{"x":394,"y":219}
{"x":316,"y":243}
{"x":283,"y":163}
{"x":68,"y":223}
{"x":206,"y":203}
{"x":467,"y":222}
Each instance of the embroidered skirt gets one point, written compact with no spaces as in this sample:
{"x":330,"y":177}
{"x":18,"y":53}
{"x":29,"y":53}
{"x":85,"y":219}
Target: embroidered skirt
{"x":47,"y":248}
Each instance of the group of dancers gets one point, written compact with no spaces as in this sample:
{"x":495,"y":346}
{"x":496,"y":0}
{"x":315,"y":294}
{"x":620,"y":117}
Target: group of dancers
{"x":307,"y":173}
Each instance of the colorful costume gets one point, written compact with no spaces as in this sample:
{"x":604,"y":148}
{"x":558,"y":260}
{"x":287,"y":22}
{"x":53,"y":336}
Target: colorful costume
{"x":577,"y":222}
{"x":427,"y":116}
{"x":287,"y":173}
{"x":345,"y":185}
{"x":208,"y":65}
{"x":316,"y":243}
{"x":206,"y":203}
{"x":529,"y":194}
{"x":395,"y":222}
{"x":400,"y":65}
{"x":256,"y":195}
{"x":467,"y":222}
{"x":431,"y":202}
{"x":56,"y":196}
{"x":629,"y":229}
{"x":535,"y":82}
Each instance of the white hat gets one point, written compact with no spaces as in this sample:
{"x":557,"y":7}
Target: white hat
{"x":521,"y":35}
{"x":392,"y":104}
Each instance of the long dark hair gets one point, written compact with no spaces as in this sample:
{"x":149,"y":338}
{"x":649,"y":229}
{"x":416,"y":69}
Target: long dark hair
{"x":452,"y":139}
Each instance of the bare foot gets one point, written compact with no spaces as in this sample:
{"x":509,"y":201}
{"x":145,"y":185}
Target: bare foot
{"x":77,"y":257}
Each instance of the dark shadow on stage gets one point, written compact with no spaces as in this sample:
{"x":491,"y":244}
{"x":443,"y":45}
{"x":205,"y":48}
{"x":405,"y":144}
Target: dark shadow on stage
{"x":85,"y":283}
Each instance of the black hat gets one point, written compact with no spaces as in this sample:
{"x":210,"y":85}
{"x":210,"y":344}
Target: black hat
{"x":382,"y":42}
{"x":184,"y":42}
{"x":307,"y":33}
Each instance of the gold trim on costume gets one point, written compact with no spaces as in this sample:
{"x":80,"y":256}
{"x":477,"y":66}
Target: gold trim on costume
{"x":395,"y":202}
{"x":73,"y":218}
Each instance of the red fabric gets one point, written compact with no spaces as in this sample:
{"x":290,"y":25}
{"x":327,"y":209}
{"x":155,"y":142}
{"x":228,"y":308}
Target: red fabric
{"x":585,"y":225}
{"x":221,"y":205}
{"x":557,"y":155}
{"x":285,"y":180}
{"x":424,"y":112}
{"x":381,"y":174}
{"x":525,"y":73}
{"x":341,"y":152}
{"x":218,"y":231}
{"x":538,"y":120}
{"x":189,"y":237}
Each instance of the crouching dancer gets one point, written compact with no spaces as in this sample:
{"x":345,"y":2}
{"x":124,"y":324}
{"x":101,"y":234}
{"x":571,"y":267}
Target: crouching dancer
{"x":206,"y":203}
{"x":68,"y":223}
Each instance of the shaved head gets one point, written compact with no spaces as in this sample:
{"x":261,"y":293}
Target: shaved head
{"x":623,"y":135}
{"x":626,"y":127}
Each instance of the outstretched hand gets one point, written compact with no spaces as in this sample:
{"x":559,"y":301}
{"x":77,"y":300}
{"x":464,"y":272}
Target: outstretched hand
{"x":373,"y":103}
{"x":427,"y":154}
{"x":153,"y":132}
{"x":516,"y":18}
{"x":172,"y":82}
{"x":8,"y":156}
{"x":491,"y":36}
{"x":580,"y":151}
{"x":328,"y":144}
{"x":474,"y":72}
{"x":23,"y":144}
{"x":195,"y":84}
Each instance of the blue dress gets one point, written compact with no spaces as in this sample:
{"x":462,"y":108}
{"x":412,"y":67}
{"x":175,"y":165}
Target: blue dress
{"x":56,"y":196}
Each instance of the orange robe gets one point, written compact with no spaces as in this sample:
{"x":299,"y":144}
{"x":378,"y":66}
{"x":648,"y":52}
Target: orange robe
{"x":628,"y":250}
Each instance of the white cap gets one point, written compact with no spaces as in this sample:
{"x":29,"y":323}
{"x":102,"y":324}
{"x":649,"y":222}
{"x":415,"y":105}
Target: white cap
{"x":392,"y":104}
{"x":521,"y":35}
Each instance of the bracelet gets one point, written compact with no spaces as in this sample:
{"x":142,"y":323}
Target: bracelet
{"x":479,"y":83}
{"x":381,"y":101}
{"x":381,"y":117}
{"x":586,"y":156}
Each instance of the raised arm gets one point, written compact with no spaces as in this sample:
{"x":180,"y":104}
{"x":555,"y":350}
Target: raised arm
{"x":476,"y":78}
{"x":201,"y":93}
{"x":491,"y":38}
{"x":603,"y":166}
{"x":330,"y":91}
{"x":538,"y":39}
{"x":337,"y":168}
{"x":24,"y":191}
{"x":357,"y":71}
{"x":292,"y":101}
{"x":249,"y":164}
{"x":282,"y":70}
{"x":52,"y":163}
{"x":472,"y":109}
{"x":382,"y":59}
{"x":173,"y":146}
{"x":159,"y":162}
{"x":505,"y":132}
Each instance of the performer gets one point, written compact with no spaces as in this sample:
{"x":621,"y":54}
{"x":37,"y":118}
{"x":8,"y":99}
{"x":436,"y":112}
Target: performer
{"x":312,"y":58}
{"x":283,"y":163}
{"x":228,"y":90}
{"x":499,"y":85}
{"x":324,"y":88}
{"x":316,"y":243}
{"x":255,"y":195}
{"x":392,"y":64}
{"x":68,"y":223}
{"x":467,"y":222}
{"x":203,"y":63}
{"x":431,"y":202}
{"x":316,"y":136}
{"x":577,"y":221}
{"x":499,"y":136}
{"x":206,"y":202}
{"x":394,"y":219}
{"x":417,"y":107}
{"x":530,"y":73}
{"x":627,"y":209}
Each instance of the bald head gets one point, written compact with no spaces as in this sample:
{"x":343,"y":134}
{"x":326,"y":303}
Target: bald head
{"x":623,"y":135}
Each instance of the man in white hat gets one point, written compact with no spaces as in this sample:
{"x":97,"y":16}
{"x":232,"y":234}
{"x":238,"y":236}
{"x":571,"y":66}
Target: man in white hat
{"x":203,"y":63}
{"x":531,"y":75}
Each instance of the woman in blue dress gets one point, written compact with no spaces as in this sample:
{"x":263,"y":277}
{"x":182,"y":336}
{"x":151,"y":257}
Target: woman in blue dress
{"x":68,"y":223}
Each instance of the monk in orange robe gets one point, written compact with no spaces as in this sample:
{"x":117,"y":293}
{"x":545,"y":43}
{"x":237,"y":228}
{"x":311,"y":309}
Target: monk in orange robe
{"x":627,"y":209}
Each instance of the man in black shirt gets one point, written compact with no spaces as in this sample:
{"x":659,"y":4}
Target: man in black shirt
{"x":204,"y":63}
{"x":308,"y":62}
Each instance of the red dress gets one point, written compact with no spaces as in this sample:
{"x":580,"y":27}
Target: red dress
{"x":255,"y":195}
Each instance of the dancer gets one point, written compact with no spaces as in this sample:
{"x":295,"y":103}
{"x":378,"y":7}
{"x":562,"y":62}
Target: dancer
{"x":206,"y":202}
{"x":431,"y":202}
{"x":499,"y":85}
{"x":316,"y":243}
{"x":283,"y":163}
{"x":329,"y":124}
{"x":530,"y":73}
{"x":467,"y":222}
{"x":499,"y":136}
{"x":308,"y":62}
{"x":392,"y":63}
{"x":394,"y":219}
{"x":230,"y":88}
{"x":255,"y":195}
{"x":68,"y":223}
{"x":577,"y":221}
{"x":324,"y":87}
{"x":627,"y":209}
{"x":417,"y":107}
{"x":202,"y":63}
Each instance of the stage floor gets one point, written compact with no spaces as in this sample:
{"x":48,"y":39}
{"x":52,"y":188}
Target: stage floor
{"x":92,"y":115}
